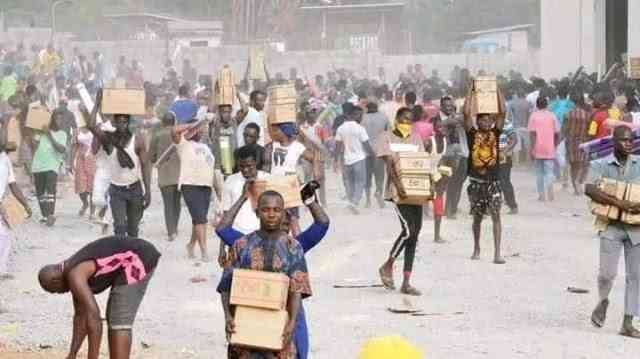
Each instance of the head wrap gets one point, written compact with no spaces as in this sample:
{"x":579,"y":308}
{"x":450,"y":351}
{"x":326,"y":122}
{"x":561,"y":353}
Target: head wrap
{"x":289,"y":129}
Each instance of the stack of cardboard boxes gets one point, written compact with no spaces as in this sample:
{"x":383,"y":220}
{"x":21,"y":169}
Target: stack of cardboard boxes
{"x":225,"y":90}
{"x":415,"y":170}
{"x":260,"y":300}
{"x":620,"y":190}
{"x":282,"y":104}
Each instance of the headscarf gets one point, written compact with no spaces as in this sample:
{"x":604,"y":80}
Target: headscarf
{"x":289,"y":129}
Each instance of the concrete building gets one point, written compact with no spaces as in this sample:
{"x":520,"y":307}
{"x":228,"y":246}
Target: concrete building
{"x":592,"y":33}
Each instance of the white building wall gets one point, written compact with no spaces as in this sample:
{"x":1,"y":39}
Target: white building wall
{"x":568,"y":31}
{"x":634,"y":28}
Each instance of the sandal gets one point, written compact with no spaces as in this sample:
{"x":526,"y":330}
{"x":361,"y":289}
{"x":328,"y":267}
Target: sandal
{"x":387,"y":281}
{"x":630,"y":333}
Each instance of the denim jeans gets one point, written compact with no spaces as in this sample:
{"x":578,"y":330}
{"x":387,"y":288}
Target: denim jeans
{"x":544,"y":174}
{"x":127,"y":208}
{"x":375,"y":170}
{"x":355,"y":176}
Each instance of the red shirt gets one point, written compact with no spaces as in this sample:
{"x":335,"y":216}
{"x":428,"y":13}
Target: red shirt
{"x":597,"y":127}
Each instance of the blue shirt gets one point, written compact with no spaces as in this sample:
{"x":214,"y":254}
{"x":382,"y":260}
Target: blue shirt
{"x":609,"y":167}
{"x":561,"y":108}
{"x":185,"y":110}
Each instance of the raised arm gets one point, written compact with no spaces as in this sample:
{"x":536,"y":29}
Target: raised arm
{"x":92,"y":124}
{"x":317,"y":231}
{"x":502,"y":111}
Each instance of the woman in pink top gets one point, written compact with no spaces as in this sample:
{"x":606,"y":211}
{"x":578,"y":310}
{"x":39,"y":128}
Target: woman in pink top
{"x":543,"y":133}
{"x":422,"y":125}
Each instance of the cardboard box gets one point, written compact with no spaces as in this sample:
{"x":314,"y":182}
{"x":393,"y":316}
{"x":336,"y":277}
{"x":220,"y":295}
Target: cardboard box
{"x":118,"y":83}
{"x":225,"y":87}
{"x":634,"y":68}
{"x":486,"y":102}
{"x":287,"y":186}
{"x":415,"y":163}
{"x":418,"y":187}
{"x":485,"y":84}
{"x":612,"y":188}
{"x":266,"y":290}
{"x":632,"y":194}
{"x":38,"y":116}
{"x":259,"y":328}
{"x":13,"y":212}
{"x":282,"y":94}
{"x":225,"y":95}
{"x":256,"y":69}
{"x":123,"y":101}
{"x":485,"y":91}
{"x":282,"y":114}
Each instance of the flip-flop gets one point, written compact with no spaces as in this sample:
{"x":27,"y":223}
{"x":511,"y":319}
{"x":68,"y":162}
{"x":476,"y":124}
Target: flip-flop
{"x":634,"y":333}
{"x":387,"y":281}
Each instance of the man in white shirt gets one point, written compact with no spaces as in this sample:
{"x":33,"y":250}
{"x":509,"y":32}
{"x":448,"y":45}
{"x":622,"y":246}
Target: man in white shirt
{"x":246,"y":221}
{"x":352,"y":143}
{"x":255,"y":114}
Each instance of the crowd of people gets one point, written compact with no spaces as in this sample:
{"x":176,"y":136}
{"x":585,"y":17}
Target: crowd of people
{"x":211,"y":155}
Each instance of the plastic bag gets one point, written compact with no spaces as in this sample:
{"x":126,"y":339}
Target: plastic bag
{"x":393,"y":347}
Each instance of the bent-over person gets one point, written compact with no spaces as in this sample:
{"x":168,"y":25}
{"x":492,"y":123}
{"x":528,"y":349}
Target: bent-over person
{"x":124,"y":267}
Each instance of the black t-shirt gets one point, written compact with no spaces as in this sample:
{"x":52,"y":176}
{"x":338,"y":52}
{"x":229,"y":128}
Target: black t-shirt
{"x":484,"y":148}
{"x":119,"y":261}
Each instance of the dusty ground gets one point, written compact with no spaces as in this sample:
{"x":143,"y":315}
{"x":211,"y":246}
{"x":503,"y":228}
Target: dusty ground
{"x":519,"y":310}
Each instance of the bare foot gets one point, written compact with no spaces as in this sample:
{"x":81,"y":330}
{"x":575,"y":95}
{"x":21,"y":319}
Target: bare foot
{"x":190,"y":253}
{"x":51,"y":220}
{"x":476,"y":255}
{"x":205,"y":258}
{"x":499,"y":260}
{"x":409,"y":290}
{"x":83,"y":211}
{"x":386,"y":276}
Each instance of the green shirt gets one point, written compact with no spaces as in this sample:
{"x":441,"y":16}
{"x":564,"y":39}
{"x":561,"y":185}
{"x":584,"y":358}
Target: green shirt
{"x":46,"y":157}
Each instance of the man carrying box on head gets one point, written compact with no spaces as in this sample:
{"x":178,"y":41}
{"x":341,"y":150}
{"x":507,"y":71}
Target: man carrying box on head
{"x":485,"y":194}
{"x":620,"y":166}
{"x":268,"y":249}
{"x":130,"y":170}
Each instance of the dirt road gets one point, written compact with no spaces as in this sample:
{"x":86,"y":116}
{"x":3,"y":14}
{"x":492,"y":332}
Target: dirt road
{"x":477,"y":309}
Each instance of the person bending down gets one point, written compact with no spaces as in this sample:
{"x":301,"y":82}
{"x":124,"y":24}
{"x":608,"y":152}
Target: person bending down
{"x":126,"y":267}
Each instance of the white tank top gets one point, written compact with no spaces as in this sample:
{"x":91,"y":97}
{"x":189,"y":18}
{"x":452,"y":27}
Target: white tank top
{"x":125,"y":176}
{"x":284,"y":160}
